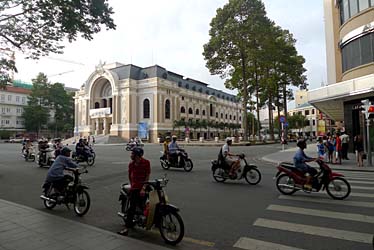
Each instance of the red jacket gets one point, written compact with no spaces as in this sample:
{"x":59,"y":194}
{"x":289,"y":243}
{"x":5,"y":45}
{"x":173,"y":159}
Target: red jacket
{"x":138,"y":173}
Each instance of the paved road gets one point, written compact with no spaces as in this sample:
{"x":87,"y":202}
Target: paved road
{"x":216,"y":216}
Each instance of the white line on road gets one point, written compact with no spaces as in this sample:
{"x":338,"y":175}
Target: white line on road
{"x":362,"y":187}
{"x":252,"y":244}
{"x":313,"y":230}
{"x":360,"y":178}
{"x":322,"y":213}
{"x":361,"y":182}
{"x":325,"y":201}
{"x":367,"y":195}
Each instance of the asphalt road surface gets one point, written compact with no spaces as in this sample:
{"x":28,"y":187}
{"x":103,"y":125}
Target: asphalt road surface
{"x":231,"y":215}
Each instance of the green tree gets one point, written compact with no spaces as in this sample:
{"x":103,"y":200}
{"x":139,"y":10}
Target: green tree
{"x":37,"y":27}
{"x":297,"y":121}
{"x":235,"y":33}
{"x":36,"y":113}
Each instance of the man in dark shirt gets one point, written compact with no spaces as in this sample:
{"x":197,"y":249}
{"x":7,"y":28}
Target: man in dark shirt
{"x":139,"y":171}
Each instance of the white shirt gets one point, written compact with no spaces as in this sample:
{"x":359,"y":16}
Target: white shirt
{"x":225,"y":149}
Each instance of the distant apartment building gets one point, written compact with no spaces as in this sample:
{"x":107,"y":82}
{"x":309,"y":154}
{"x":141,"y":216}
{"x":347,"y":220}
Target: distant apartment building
{"x":12,"y":101}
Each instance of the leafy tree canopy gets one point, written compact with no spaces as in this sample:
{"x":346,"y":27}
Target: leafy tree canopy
{"x":37,"y":27}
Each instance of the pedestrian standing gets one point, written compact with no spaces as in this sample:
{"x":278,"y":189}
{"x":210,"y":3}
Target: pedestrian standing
{"x":338,"y":149}
{"x":345,"y":140}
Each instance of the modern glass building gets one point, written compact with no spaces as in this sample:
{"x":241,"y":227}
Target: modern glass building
{"x":349,"y":28}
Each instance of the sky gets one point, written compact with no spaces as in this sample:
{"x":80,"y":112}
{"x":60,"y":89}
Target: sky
{"x":171,"y":33}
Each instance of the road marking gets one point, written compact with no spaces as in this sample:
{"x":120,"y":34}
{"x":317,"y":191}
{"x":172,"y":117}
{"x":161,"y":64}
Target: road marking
{"x":199,"y":242}
{"x":362,"y":187}
{"x":322,"y":213}
{"x":360,"y":178}
{"x":252,"y":244}
{"x":367,"y":195}
{"x":313,"y":230}
{"x":325,"y":201}
{"x":361,"y":182}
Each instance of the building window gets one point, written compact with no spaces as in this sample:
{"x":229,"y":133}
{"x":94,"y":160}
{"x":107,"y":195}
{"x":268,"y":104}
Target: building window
{"x":216,"y":114}
{"x":183,"y":110}
{"x":313,"y":111}
{"x":349,"y":8}
{"x":234,"y":117}
{"x":146,"y":109}
{"x":2,"y":97}
{"x":240,"y":118}
{"x":306,"y":112}
{"x":230,"y":117}
{"x":167,"y":109}
{"x":314,"y":122}
{"x":190,"y":111}
{"x":211,"y":109}
{"x":8,"y":110}
{"x":9,"y":97}
{"x":197,"y":112}
{"x":97,"y":105}
{"x":17,"y":98}
{"x":203,"y":111}
{"x":358,"y":52}
{"x":182,"y":98}
{"x":3,"y":110}
{"x":23,"y":99}
{"x":187,"y":86}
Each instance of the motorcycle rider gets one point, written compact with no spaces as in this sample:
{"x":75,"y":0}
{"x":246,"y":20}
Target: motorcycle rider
{"x":55,"y":173}
{"x":139,"y":171}
{"x":80,"y":149}
{"x":28,"y":146}
{"x":57,"y":146}
{"x":173,"y":150}
{"x":43,"y":148}
{"x":230,"y":159}
{"x":300,"y":160}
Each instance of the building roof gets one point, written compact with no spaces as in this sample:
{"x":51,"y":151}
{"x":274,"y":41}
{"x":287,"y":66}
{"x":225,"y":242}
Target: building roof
{"x":303,"y":106}
{"x":131,"y":71}
{"x":18,"y":90}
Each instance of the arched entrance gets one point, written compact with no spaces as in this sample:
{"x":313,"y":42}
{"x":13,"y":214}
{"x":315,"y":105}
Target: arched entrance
{"x":101,"y":106}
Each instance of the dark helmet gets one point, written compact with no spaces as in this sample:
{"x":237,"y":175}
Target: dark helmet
{"x":80,"y":140}
{"x":138,"y":151}
{"x":65,"y":151}
{"x":301,"y":143}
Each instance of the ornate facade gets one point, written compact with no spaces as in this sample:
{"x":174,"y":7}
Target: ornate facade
{"x":122,"y":99}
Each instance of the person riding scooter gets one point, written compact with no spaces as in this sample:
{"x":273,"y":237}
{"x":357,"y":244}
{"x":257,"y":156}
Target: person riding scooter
{"x":166,"y":147}
{"x":43,"y":148}
{"x":173,"y":151}
{"x":230,"y":158}
{"x":300,"y":160}
{"x":80,"y":149}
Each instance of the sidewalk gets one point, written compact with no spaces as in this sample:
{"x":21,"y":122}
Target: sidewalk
{"x":24,"y":228}
{"x":287,"y":156}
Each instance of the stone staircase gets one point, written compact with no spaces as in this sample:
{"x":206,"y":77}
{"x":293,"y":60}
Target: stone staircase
{"x":99,"y":140}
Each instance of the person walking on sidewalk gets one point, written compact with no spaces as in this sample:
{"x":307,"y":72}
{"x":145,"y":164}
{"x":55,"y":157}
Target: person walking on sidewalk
{"x":338,"y":149}
{"x":345,"y":140}
{"x":359,"y":149}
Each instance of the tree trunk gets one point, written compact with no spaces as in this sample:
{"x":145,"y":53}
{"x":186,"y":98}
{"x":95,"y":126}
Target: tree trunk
{"x":257,"y":102}
{"x":285,"y":108}
{"x":245,"y":97}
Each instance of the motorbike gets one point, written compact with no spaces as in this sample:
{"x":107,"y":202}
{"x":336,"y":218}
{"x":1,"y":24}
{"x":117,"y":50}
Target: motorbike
{"x":29,"y":156}
{"x":74,"y":193}
{"x":130,"y":146}
{"x":184,"y":161}
{"x":45,"y":158}
{"x":89,"y":157}
{"x":249,"y":172}
{"x":289,"y":180}
{"x":155,"y":210}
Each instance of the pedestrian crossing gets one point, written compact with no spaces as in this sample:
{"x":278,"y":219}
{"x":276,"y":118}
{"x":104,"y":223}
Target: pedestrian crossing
{"x":347,"y":224}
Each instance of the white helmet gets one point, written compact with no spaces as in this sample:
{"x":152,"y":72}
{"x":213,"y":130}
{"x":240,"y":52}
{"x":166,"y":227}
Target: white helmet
{"x":228,"y":139}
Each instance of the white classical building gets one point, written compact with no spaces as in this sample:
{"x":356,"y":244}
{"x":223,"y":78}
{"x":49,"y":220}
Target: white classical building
{"x":128,"y":101}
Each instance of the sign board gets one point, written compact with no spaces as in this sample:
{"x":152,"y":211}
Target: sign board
{"x":143,"y":130}
{"x":99,"y":112}
{"x":282,"y":119}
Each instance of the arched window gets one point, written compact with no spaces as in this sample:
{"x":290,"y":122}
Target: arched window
{"x":197,"y":111}
{"x":234,"y":117}
{"x":203,"y":111}
{"x":105,"y":103}
{"x":190,"y":111}
{"x":211,"y":109}
{"x":183,"y":110}
{"x":240,"y":118}
{"x":226,"y":116}
{"x":167,"y":109}
{"x":230,"y":117}
{"x":221,"y":115}
{"x":216,"y":114}
{"x":146,"y":109}
{"x":97,"y":105}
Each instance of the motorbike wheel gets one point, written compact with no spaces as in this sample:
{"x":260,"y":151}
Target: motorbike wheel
{"x":172,"y":228}
{"x":338,"y":188}
{"x":32,"y":157}
{"x":50,"y":204}
{"x":164,"y":165}
{"x":286,"y":184}
{"x":82,"y":203}
{"x":93,"y":155}
{"x":253,"y":176}
{"x":128,"y":148}
{"x":90,"y":161}
{"x":188,"y":165}
{"x":217,"y":175}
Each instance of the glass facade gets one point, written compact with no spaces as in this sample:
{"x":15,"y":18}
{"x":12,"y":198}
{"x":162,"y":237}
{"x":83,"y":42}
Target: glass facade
{"x":349,"y":8}
{"x":358,"y":52}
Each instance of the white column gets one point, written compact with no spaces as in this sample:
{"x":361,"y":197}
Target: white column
{"x":105,"y":125}
{"x":96,"y":126}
